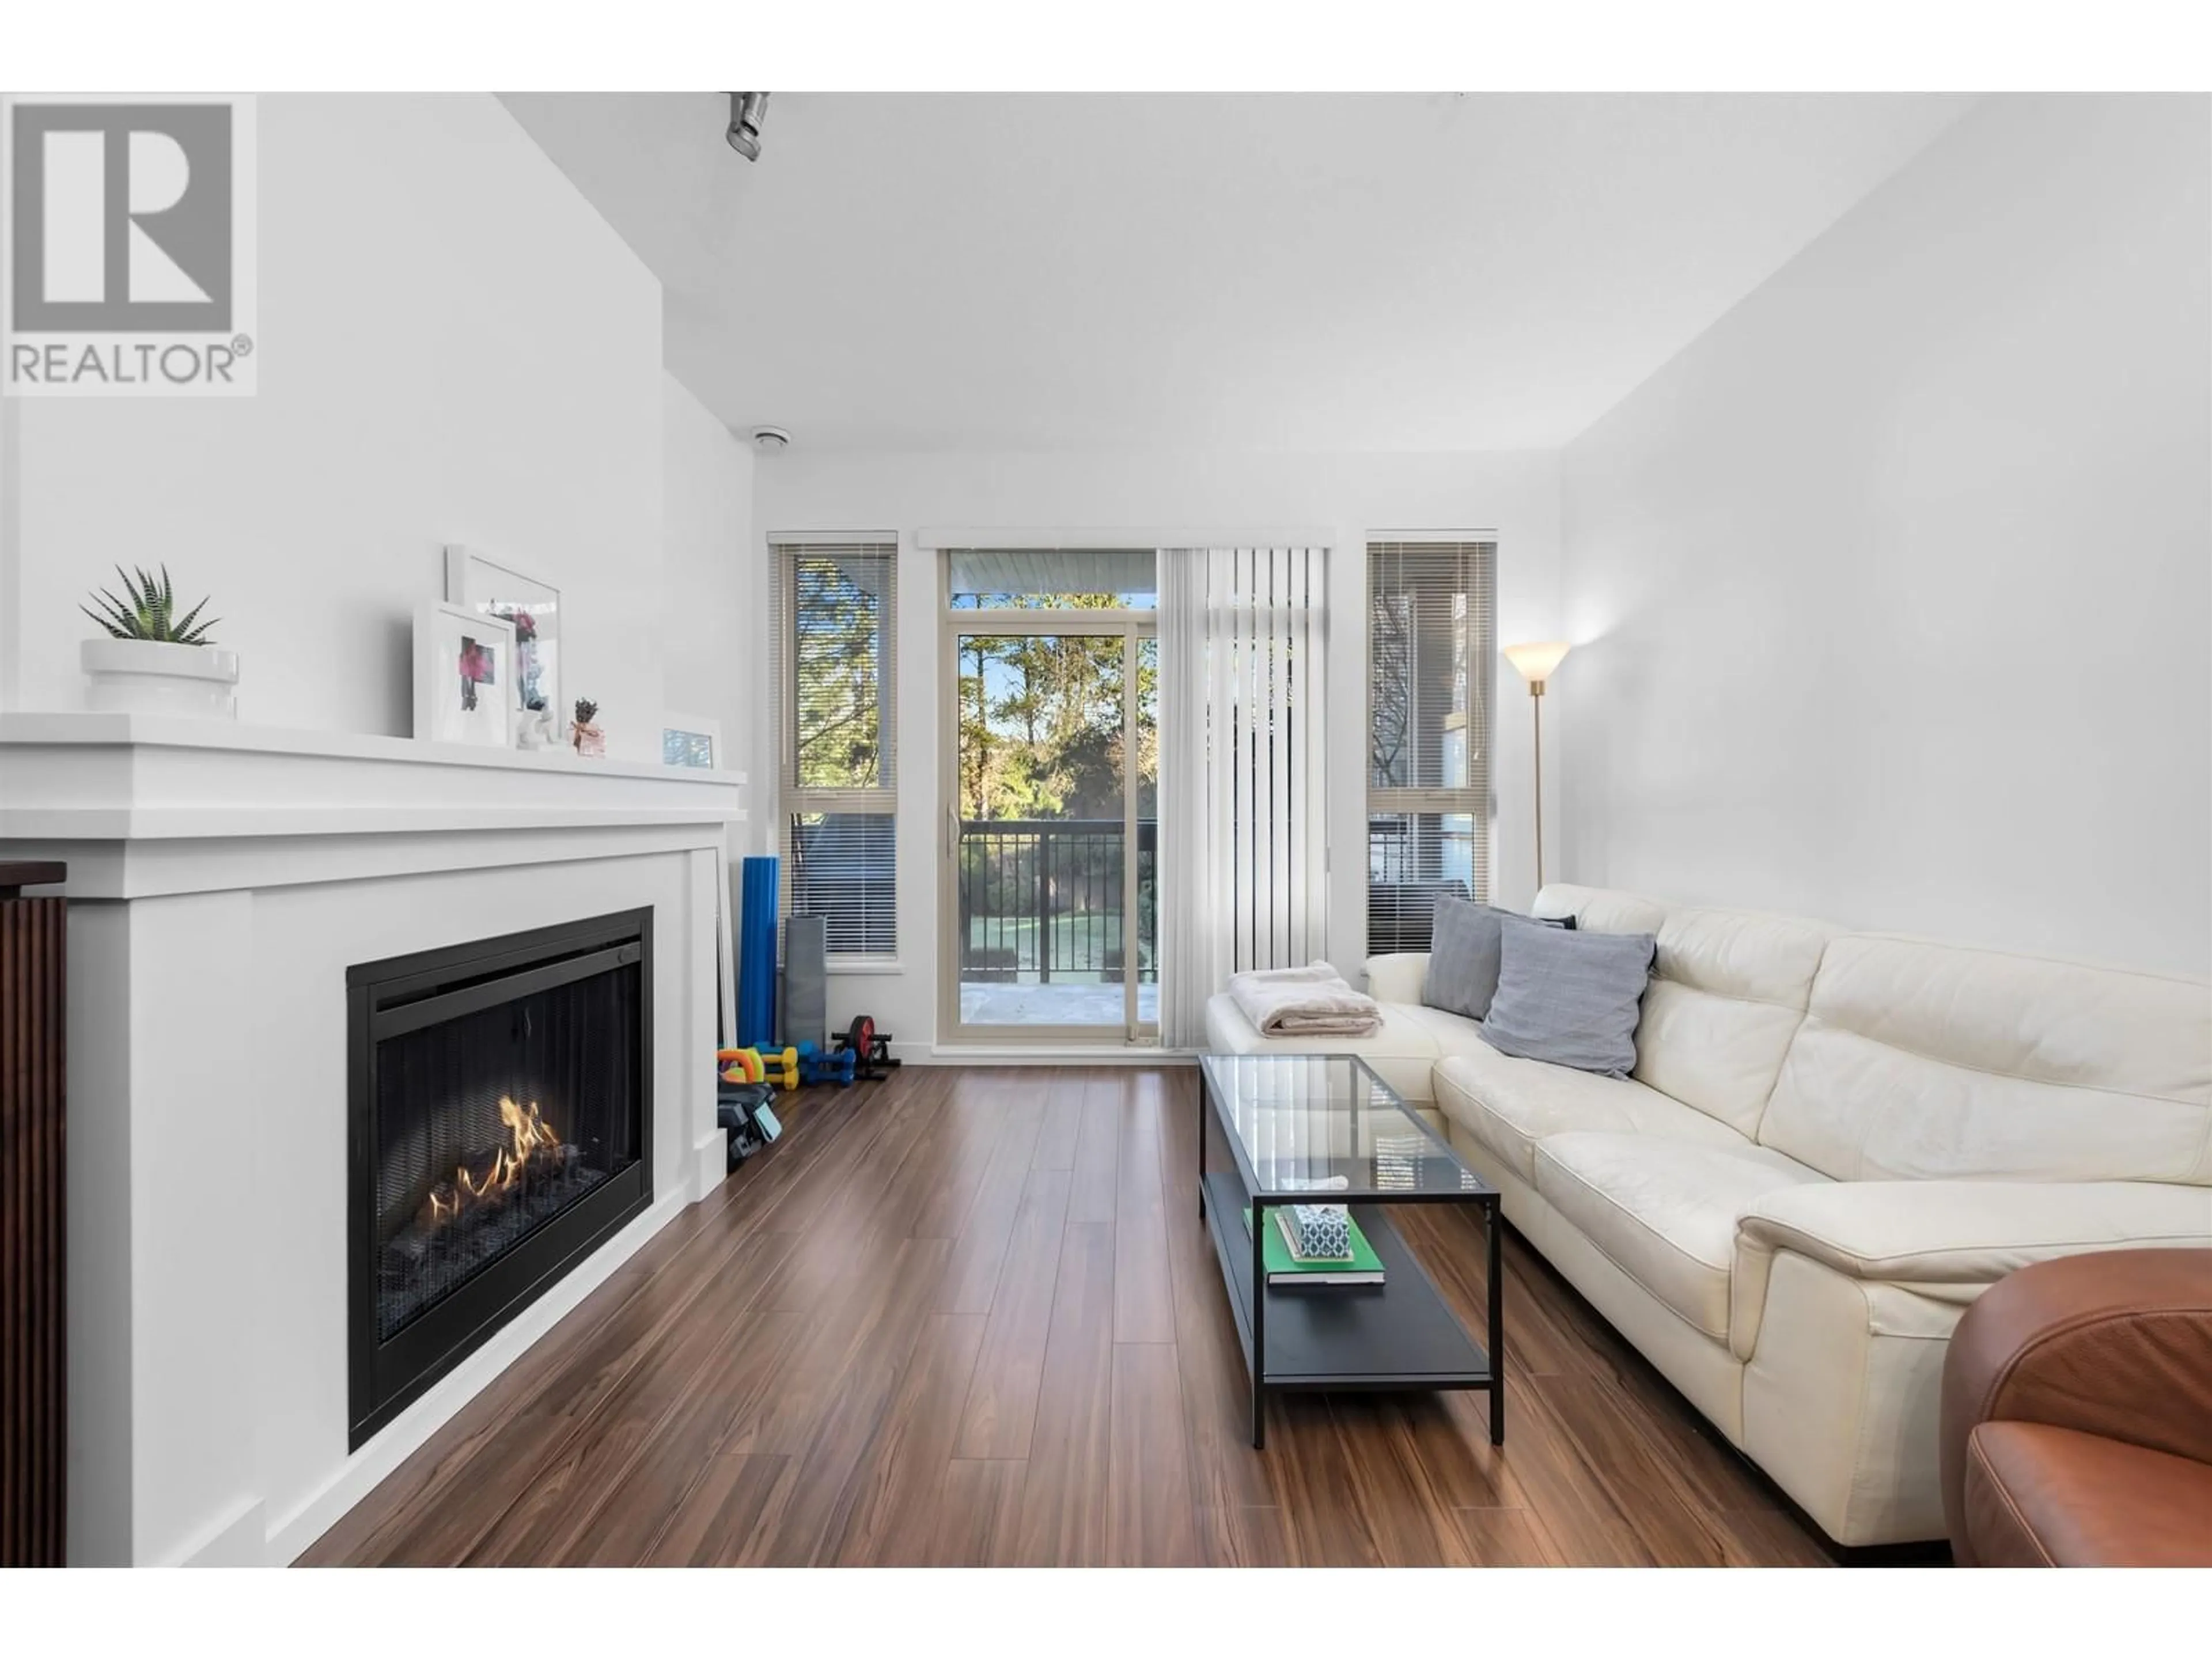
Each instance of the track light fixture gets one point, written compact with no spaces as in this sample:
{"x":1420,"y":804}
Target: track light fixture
{"x":747,"y":111}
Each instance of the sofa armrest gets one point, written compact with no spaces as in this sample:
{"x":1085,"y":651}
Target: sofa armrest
{"x":2117,"y":1344}
{"x":1398,"y":976}
{"x":1949,"y":1239}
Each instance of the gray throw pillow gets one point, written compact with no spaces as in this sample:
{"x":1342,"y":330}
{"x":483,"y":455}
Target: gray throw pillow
{"x":1572,"y":999}
{"x":1462,"y":971}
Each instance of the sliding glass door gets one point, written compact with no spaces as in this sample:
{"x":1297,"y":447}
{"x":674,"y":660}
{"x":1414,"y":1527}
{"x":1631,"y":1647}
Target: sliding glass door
{"x":1051,"y":790}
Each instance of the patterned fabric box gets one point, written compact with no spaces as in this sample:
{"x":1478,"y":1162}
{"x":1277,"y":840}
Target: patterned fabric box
{"x":1323,"y":1230}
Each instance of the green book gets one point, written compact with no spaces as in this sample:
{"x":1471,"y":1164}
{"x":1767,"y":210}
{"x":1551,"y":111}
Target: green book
{"x":1284,"y":1266}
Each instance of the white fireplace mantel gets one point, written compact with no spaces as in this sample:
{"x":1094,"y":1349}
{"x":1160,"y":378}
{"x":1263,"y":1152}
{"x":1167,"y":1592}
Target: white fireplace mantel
{"x":221,"y":879}
{"x":169,"y":789}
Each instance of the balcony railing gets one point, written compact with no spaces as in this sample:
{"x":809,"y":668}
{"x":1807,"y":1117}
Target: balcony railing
{"x":1043,"y":898}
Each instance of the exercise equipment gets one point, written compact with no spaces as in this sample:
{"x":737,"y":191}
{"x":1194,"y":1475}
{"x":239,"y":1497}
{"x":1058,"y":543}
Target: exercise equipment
{"x":756,"y":953}
{"x":807,"y":981}
{"x":816,"y":1065}
{"x":746,"y":1117}
{"x":778,"y":1066}
{"x":871,"y":1049}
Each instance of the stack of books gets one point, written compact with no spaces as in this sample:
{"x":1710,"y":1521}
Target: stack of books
{"x":1316,"y":1244}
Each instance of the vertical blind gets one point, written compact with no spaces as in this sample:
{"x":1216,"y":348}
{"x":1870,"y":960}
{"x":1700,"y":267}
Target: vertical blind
{"x":837,"y":607}
{"x":1431,"y":644}
{"x":1244,"y":850}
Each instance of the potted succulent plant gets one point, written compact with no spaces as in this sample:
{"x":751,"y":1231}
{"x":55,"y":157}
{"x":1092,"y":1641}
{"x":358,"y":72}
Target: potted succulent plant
{"x":153,"y":661}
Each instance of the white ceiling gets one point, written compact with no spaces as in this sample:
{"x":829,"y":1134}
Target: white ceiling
{"x":1306,"y":273}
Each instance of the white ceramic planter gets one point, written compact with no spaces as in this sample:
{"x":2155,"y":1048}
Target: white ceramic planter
{"x":151,"y":677}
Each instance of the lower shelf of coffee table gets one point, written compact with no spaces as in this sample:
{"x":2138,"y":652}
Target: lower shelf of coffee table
{"x":1400,"y":1334}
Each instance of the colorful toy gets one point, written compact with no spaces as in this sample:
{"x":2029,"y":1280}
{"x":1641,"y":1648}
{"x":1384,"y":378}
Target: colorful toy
{"x":777,"y":1066}
{"x":816,"y":1067}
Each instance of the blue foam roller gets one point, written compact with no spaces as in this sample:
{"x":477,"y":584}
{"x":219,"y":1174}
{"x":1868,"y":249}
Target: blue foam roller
{"x":756,"y":955}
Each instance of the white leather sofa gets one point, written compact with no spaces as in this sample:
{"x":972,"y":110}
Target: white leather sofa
{"x":1831,"y":1143}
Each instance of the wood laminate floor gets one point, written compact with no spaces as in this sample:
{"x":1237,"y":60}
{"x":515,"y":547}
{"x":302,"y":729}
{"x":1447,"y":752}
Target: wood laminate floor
{"x":971,"y":1316}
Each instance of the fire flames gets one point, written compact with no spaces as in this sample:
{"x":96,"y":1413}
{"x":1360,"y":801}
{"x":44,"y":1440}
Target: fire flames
{"x":530,"y":1137}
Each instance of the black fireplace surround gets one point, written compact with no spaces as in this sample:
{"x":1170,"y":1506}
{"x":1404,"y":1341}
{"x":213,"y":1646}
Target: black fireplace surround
{"x":499,"y":1128}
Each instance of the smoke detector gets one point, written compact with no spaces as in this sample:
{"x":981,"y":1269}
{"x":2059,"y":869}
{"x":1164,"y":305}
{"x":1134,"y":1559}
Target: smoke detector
{"x":770,"y":439}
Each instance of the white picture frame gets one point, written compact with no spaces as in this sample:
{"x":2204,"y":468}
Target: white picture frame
{"x":490,"y":586}
{"x":691,"y":740}
{"x":464,"y":661}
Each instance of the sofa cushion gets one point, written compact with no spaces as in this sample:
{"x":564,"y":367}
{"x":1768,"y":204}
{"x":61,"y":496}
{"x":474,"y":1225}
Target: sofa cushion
{"x":1728,"y":990}
{"x":1510,"y":1105}
{"x":1921,"y":1062}
{"x":1451,"y":1034}
{"x":1600,"y":909}
{"x":1402,"y":1052}
{"x":1567,"y":997}
{"x":1664,"y":1211}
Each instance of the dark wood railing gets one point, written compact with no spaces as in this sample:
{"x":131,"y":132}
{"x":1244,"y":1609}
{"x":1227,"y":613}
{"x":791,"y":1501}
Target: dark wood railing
{"x":1043,"y":896}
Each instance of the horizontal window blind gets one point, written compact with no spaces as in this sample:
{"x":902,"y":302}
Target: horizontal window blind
{"x":837,"y":608}
{"x":1432,"y":642}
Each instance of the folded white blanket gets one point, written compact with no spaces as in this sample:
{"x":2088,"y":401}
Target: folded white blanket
{"x":1309,"y":1001}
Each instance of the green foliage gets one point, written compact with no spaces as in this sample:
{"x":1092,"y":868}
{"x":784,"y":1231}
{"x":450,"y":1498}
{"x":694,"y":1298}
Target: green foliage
{"x":840,"y":667}
{"x":149,"y":611}
{"x":1040,"y":729}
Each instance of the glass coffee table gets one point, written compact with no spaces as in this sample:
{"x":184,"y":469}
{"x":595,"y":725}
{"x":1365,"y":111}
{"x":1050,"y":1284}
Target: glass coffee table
{"x":1325,"y":1129}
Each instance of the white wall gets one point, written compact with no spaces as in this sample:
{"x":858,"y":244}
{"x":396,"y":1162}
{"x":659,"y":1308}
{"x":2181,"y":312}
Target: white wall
{"x":714,"y":586}
{"x":1345,"y":497}
{"x":1892,"y":591}
{"x":454,"y":347}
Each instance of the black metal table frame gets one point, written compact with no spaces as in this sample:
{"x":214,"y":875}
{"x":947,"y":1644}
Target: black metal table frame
{"x":1256,"y":1360}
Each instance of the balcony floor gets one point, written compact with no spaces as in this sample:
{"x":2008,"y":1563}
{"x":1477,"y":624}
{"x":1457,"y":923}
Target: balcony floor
{"x":997,"y":1003}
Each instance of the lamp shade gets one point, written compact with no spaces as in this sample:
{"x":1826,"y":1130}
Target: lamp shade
{"x":1537,"y":662}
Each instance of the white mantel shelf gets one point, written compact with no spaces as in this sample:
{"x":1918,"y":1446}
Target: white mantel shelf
{"x":138,"y":804}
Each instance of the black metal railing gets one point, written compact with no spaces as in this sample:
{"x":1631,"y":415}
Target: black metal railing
{"x":1043,"y":898}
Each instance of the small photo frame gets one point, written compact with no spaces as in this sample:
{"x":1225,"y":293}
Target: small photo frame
{"x":482,"y":584}
{"x":464,"y":665}
{"x":691,"y":740}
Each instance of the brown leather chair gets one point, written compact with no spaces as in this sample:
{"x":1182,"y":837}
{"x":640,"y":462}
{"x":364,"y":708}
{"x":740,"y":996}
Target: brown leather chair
{"x":2077,"y":1415}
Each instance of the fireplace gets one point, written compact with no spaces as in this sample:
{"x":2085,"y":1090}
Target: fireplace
{"x":501,"y":1128}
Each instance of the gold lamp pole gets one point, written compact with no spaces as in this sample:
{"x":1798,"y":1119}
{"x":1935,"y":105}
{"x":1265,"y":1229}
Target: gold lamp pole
{"x":1537,"y":663}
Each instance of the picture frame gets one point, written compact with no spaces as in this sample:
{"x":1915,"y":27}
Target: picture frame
{"x":490,"y":586}
{"x":691,"y":740}
{"x":464,"y":663}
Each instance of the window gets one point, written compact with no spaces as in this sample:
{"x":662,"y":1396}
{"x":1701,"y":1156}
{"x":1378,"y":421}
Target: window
{"x":837,"y":605}
{"x":1062,"y":580}
{"x":1431,"y":645}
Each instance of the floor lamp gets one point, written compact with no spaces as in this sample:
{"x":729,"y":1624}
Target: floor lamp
{"x":1536,"y":663}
